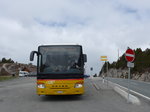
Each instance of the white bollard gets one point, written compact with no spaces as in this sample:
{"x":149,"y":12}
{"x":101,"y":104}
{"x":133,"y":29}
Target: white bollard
{"x":103,"y":78}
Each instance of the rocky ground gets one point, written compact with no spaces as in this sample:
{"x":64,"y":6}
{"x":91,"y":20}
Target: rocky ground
{"x":145,"y":76}
{"x":7,"y":69}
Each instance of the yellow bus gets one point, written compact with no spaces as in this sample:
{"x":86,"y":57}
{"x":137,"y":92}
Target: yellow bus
{"x":60,"y":69}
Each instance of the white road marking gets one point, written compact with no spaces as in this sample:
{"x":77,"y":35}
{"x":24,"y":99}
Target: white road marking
{"x":123,"y":93}
{"x":146,"y":97}
{"x":96,"y":86}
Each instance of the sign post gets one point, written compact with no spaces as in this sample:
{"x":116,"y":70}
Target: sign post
{"x":91,"y":70}
{"x":130,"y":56}
{"x":104,"y":59}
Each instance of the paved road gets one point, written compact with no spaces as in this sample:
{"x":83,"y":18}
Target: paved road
{"x":18,"y":95}
{"x":138,"y":86}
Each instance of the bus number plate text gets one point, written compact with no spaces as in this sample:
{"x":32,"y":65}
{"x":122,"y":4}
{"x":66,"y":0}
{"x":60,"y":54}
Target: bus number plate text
{"x":59,"y":91}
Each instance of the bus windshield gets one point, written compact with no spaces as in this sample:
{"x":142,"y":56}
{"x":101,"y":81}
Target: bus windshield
{"x":60,"y":60}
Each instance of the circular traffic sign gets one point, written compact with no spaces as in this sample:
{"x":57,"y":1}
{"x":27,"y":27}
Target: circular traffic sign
{"x":130,"y":55}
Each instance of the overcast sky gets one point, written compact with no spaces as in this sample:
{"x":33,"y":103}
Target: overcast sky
{"x":100,"y":26}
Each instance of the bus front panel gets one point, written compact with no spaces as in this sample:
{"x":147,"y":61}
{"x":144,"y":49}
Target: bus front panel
{"x":60,"y":87}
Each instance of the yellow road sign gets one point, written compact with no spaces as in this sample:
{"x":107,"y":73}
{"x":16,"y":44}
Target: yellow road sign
{"x":103,"y":58}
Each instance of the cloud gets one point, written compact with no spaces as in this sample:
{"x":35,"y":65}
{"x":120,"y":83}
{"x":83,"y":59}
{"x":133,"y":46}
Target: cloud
{"x":101,"y":26}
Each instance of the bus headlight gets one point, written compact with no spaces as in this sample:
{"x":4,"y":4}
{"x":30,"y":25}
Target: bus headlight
{"x":41,"y":86}
{"x":78,"y":85}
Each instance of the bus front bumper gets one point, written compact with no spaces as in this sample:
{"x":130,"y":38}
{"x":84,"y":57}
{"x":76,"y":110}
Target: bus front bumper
{"x":47,"y":91}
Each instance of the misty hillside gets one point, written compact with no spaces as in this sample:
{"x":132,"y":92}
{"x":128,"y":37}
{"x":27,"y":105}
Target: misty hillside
{"x":9,"y":67}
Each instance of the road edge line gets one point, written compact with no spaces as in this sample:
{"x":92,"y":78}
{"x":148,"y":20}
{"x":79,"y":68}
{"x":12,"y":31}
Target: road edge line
{"x":146,"y":97}
{"x":132,"y":99}
{"x":97,"y":88}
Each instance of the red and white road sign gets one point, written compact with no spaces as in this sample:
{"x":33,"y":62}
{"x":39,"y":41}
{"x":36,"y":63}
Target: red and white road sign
{"x":130,"y":55}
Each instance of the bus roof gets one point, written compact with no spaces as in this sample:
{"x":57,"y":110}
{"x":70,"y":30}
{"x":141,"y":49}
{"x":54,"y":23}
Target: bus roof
{"x":62,"y":44}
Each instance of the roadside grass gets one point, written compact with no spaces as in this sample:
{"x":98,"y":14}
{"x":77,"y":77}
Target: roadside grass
{"x":3,"y":78}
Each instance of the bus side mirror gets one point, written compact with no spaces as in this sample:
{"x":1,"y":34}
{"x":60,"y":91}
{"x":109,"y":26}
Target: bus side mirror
{"x":32,"y":55}
{"x":85,"y":57}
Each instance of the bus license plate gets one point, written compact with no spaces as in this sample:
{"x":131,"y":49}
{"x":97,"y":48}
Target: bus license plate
{"x":59,"y":91}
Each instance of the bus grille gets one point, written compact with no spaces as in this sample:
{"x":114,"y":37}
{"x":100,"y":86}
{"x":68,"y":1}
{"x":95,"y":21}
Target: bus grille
{"x":59,"y":87}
